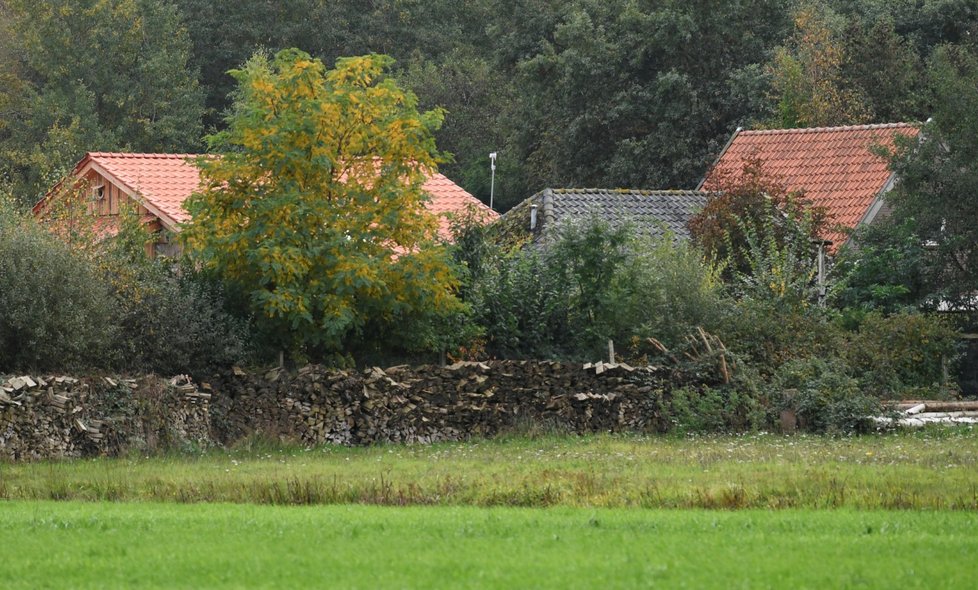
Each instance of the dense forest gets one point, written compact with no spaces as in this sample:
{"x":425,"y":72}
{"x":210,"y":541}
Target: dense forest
{"x":636,"y":93}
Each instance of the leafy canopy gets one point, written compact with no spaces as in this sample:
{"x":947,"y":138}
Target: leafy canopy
{"x":91,"y":75}
{"x":934,"y":203}
{"x":316,"y":209}
{"x":750,"y":204}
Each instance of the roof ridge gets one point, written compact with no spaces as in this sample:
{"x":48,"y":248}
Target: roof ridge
{"x":864,"y":127}
{"x":146,"y":155}
{"x":643,"y":191}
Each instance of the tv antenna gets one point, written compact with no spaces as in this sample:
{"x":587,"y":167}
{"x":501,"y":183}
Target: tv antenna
{"x":492,"y":181}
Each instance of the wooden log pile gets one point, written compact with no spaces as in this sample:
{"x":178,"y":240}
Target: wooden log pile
{"x":54,"y":417}
{"x":432,"y":403}
{"x":60,"y":416}
{"x":917,"y":413}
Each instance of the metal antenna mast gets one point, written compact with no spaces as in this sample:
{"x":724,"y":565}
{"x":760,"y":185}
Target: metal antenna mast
{"x":492,"y":181}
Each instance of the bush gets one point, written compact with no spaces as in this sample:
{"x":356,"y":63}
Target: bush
{"x":172,"y":323}
{"x":908,"y":354}
{"x":590,"y":282}
{"x":55,"y":313}
{"x":825,"y":396}
{"x":720,"y":409}
{"x":767,"y":334}
{"x":665,"y":291}
{"x":521,"y":306}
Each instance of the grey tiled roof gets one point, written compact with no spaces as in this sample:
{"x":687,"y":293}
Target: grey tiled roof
{"x":652,"y":212}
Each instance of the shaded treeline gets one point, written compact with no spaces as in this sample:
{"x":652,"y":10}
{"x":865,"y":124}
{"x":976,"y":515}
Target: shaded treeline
{"x":635,"y":93}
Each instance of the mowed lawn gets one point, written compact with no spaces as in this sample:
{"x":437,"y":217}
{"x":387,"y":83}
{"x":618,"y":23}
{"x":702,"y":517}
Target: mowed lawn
{"x":154,"y":545}
{"x":933,"y":469}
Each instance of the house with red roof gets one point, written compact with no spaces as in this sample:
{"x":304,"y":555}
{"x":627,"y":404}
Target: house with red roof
{"x":158,"y":184}
{"x":837,"y":168}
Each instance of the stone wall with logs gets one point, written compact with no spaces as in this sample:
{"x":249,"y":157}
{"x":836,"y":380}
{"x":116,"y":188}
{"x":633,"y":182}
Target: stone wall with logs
{"x":52,"y":417}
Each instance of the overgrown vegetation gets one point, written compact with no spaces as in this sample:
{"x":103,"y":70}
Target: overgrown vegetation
{"x":932,"y":469}
{"x":92,"y":303}
{"x":646,"y":110}
{"x":309,"y":235}
{"x":54,"y":312}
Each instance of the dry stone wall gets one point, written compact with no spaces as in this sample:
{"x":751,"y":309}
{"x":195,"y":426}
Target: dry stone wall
{"x":54,"y":417}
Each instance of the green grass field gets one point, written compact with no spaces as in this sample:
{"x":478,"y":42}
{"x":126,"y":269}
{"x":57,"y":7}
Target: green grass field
{"x":108,"y":545}
{"x":929,"y":470}
{"x":753,"y":511}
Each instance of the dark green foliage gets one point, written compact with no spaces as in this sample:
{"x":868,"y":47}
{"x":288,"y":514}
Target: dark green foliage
{"x":61,"y":309}
{"x":766,"y":334}
{"x":925,"y":254}
{"x":588,"y":283}
{"x":475,"y":94}
{"x":519,"y":303}
{"x":55,"y":313}
{"x":825,"y":396}
{"x":937,"y":196}
{"x":176,"y":323}
{"x":906,"y":355}
{"x":224,"y":36}
{"x":86,"y":75}
{"x":629,"y":93}
{"x":881,"y":268}
{"x":886,"y":69}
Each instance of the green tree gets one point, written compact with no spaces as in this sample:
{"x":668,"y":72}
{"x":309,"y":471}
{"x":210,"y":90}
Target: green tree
{"x":626,"y":92}
{"x":937,"y":194}
{"x":316,"y":208}
{"x":226,"y":34}
{"x":808,"y":85}
{"x":886,"y":69}
{"x":474,"y":95}
{"x":88,"y":75}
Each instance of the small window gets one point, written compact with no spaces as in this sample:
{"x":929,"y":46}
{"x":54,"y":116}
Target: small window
{"x":98,"y":192}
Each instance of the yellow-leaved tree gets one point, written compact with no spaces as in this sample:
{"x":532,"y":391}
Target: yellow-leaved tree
{"x":315,"y":209}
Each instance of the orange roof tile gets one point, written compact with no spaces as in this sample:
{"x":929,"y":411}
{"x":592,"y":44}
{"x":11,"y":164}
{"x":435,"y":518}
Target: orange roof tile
{"x":834,"y":166}
{"x":448,"y":198}
{"x":164,"y":181}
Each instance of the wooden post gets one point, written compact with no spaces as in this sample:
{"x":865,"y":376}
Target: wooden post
{"x":611,"y":352}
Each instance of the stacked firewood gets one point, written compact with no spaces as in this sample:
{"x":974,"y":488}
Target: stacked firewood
{"x":60,"y":416}
{"x":432,"y":403}
{"x":42,"y":417}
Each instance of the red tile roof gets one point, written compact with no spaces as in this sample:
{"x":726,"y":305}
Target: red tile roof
{"x":448,"y":198}
{"x":834,"y":166}
{"x":164,"y":181}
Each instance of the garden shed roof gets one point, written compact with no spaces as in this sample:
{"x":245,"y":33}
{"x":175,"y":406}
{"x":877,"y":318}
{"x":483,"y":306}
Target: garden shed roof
{"x":652,"y":212}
